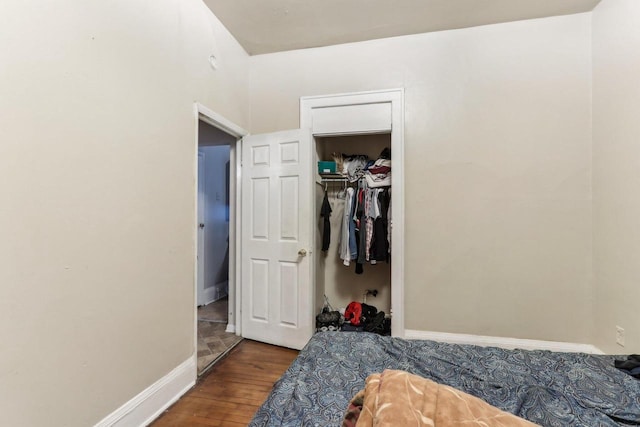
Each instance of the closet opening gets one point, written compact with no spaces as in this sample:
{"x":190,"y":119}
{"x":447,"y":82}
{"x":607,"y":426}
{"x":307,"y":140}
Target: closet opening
{"x":358,"y":198}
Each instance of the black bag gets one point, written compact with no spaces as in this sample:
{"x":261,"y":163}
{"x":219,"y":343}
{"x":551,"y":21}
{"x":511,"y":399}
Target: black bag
{"x":368,"y":313}
{"x":379,"y":324}
{"x":328,"y":320}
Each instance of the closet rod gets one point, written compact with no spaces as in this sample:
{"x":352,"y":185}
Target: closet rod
{"x":333,"y":180}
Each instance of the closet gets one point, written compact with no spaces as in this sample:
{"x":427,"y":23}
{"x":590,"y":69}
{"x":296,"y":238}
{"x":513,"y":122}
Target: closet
{"x":340,"y":283}
{"x":284,"y":274}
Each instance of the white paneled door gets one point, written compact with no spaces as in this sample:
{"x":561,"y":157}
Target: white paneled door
{"x":276,"y":253}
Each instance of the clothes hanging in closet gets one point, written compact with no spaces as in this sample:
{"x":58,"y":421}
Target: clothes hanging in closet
{"x":379,"y":249}
{"x":325,"y":212}
{"x":366,"y":226}
{"x":364,"y":236}
{"x":360,"y":226}
{"x":348,"y":249}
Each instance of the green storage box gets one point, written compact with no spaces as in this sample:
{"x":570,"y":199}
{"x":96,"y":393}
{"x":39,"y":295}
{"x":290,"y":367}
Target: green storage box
{"x":326,"y":167}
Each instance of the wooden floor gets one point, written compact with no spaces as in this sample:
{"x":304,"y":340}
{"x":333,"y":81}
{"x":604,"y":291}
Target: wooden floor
{"x":233,"y":389}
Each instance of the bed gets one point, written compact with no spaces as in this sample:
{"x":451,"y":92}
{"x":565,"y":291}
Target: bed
{"x":547,"y":388}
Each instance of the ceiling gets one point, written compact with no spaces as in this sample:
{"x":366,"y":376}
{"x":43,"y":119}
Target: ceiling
{"x":266,"y":26}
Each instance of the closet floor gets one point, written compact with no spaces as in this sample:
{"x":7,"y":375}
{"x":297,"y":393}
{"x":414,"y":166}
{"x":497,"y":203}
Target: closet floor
{"x":213,"y":341}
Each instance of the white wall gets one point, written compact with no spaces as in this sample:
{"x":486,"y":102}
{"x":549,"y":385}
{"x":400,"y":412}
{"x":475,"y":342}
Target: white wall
{"x":498,"y":166}
{"x":616,"y":173}
{"x":97,"y":179}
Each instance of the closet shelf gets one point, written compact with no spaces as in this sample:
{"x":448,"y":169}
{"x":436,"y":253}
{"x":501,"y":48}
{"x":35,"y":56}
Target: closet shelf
{"x":333,"y":178}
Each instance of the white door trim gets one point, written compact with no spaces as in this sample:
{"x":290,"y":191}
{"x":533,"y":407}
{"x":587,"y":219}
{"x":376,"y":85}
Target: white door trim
{"x":200,"y":187}
{"x":216,"y":120}
{"x":396,"y":98}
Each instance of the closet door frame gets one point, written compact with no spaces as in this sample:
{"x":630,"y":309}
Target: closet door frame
{"x":362,"y":113}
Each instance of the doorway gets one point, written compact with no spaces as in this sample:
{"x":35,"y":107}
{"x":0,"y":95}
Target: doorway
{"x":213,"y":252}
{"x":366,"y":113}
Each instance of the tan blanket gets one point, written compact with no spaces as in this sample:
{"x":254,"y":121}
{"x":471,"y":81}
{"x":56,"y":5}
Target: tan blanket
{"x":398,"y":398}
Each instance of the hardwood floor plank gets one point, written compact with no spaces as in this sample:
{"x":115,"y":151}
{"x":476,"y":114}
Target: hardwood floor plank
{"x":212,"y":409}
{"x":235,"y":392}
{"x":231,"y":392}
{"x":179,"y":420}
{"x":250,"y":377}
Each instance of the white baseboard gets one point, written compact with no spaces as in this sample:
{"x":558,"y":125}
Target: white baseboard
{"x":210,"y":295}
{"x":151,"y":402}
{"x":231,"y":329}
{"x":214,"y":293}
{"x":508,"y":343}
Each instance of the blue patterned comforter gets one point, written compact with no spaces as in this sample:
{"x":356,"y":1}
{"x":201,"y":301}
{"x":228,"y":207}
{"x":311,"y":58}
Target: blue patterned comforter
{"x":551,"y":389}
